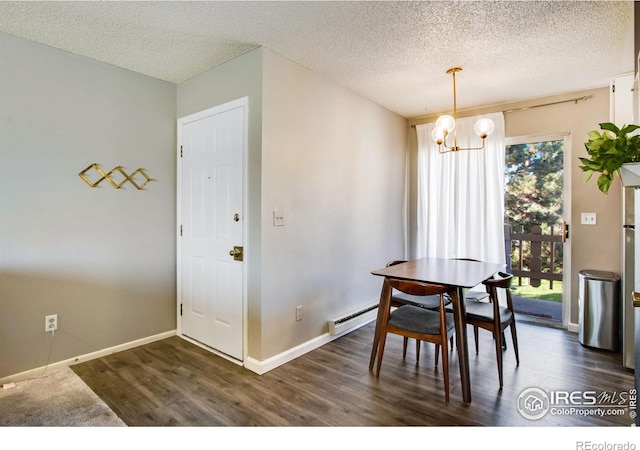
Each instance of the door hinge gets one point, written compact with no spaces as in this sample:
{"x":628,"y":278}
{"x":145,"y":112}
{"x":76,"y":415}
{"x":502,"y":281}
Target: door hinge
{"x":613,"y":88}
{"x":181,"y":151}
{"x":565,"y":229}
{"x":180,"y":230}
{"x":180,"y":308}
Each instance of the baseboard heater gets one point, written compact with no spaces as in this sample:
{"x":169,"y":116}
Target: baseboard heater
{"x":353,"y":320}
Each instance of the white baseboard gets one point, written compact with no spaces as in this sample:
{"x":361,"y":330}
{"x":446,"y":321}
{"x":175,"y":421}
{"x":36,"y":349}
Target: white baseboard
{"x":262,"y":367}
{"x":252,"y":364}
{"x":39,"y":371}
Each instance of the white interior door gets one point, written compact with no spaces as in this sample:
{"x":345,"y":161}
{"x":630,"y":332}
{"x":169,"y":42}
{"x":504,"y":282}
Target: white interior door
{"x":211,"y":217}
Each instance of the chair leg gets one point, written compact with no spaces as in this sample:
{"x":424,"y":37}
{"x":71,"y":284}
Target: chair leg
{"x":417,"y":349}
{"x":514,"y":339}
{"x":498,"y":341}
{"x":404,"y":347}
{"x":383,"y":341}
{"x":475,"y":337}
{"x":445,"y":369}
{"x":504,"y":342}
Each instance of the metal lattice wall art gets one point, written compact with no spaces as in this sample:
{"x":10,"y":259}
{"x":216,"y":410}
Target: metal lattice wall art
{"x":116,"y":177}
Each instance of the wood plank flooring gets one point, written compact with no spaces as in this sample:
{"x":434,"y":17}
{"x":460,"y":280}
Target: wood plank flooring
{"x":175,"y":383}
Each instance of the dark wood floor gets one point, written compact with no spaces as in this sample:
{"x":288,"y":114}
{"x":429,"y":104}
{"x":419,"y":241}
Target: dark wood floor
{"x":175,"y":383}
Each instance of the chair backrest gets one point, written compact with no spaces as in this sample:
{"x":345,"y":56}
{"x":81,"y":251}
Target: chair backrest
{"x":501,"y":282}
{"x":421,"y":289}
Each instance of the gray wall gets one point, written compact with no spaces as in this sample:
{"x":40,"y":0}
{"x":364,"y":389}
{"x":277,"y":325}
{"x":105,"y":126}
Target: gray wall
{"x":103,"y":259}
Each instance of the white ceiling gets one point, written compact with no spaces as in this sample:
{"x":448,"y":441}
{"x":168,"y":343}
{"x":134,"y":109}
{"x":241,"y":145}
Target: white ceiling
{"x":394,"y":53}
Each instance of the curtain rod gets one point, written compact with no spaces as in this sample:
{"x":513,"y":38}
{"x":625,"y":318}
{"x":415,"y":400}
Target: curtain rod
{"x":575,"y":100}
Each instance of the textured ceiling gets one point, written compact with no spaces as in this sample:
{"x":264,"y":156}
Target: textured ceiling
{"x":394,"y":53}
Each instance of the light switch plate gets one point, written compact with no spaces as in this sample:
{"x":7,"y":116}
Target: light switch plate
{"x":588,"y":219}
{"x":278,"y":219}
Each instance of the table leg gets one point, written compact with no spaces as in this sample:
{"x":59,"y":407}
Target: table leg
{"x":459,"y":310}
{"x":383,"y":310}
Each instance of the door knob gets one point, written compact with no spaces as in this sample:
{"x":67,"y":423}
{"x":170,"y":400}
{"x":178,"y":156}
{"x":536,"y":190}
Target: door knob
{"x":636,"y":299}
{"x":237,"y":253}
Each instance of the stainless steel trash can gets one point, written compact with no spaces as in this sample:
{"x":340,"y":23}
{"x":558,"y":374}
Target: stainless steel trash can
{"x":599,"y":308}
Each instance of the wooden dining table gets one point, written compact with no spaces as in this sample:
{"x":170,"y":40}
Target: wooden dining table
{"x":460,"y":273}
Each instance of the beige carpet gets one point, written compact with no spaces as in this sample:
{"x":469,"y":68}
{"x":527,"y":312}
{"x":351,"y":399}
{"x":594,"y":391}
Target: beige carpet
{"x":57,"y":399}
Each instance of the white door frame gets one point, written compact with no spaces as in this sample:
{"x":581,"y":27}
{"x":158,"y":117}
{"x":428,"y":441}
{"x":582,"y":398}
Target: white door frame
{"x":234,"y":104}
{"x":566,"y":210}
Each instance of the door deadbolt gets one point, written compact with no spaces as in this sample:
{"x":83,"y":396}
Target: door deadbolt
{"x":236,"y":217}
{"x":636,"y":299}
{"x":237,"y":253}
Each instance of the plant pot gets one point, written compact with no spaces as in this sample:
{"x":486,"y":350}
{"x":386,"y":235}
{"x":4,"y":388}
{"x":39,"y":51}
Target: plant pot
{"x":630,"y":174}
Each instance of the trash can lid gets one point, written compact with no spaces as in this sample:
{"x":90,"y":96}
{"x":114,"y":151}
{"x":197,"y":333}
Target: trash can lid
{"x":599,"y":275}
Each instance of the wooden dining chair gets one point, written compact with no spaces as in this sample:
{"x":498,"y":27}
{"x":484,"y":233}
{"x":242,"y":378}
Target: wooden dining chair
{"x":400,"y":298}
{"x":432,"y":302}
{"x":494,"y":317}
{"x":419,"y":323}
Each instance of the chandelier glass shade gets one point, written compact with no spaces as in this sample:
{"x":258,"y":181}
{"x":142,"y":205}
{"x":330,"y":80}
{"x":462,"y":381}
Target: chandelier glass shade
{"x":446,"y":126}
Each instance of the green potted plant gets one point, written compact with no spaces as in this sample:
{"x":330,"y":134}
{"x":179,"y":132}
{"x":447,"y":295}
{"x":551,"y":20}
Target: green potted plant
{"x":609,"y":151}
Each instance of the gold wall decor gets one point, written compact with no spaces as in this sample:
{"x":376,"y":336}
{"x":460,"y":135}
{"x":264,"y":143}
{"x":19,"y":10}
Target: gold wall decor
{"x":112,"y":177}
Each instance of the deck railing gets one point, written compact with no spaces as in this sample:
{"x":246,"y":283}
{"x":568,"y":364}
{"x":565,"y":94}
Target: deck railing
{"x":533,"y":268}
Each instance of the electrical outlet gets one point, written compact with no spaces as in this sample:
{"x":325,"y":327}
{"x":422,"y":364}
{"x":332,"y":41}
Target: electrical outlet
{"x":588,"y":219}
{"x":51,"y":323}
{"x":299,"y":312}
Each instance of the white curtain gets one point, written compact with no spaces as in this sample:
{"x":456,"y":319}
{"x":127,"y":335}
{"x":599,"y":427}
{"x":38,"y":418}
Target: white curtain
{"x":461,"y":194}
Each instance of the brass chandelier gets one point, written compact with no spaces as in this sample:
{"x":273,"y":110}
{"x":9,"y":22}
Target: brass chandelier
{"x":446,"y":126}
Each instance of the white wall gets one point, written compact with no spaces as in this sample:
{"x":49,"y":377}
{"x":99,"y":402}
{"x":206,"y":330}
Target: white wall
{"x":333,"y":163}
{"x":103,"y":259}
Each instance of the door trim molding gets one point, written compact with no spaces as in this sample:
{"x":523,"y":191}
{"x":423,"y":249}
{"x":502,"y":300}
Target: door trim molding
{"x":242,"y":103}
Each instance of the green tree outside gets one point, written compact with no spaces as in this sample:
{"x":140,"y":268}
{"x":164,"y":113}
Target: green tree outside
{"x":533,"y":196}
